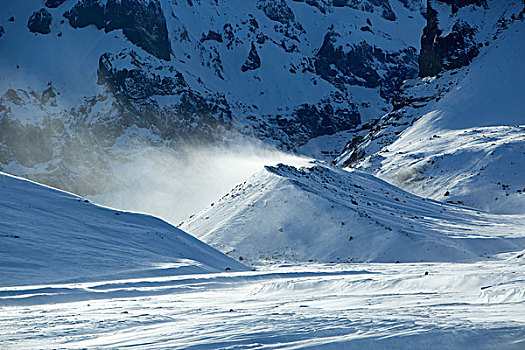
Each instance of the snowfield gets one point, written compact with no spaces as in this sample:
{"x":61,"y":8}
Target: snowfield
{"x":75,"y":275}
{"x":406,"y":230}
{"x":346,"y":306}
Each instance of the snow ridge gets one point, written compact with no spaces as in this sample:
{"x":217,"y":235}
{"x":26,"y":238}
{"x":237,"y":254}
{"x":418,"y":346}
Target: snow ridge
{"x":322,"y":213}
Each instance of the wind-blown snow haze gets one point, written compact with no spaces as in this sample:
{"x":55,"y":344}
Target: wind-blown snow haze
{"x":174,"y":185}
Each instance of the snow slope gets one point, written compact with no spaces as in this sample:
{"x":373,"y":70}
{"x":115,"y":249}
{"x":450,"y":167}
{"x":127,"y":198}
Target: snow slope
{"x":49,"y":235}
{"x":460,"y":136}
{"x":322,"y":213}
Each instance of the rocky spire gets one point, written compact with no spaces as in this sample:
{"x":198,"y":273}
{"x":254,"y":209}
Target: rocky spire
{"x":429,"y":57}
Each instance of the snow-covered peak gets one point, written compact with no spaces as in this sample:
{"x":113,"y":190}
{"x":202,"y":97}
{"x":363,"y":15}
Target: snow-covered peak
{"x":322,"y":213}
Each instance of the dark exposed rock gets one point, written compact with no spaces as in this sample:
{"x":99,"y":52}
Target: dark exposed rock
{"x":326,"y":120}
{"x":40,"y":21}
{"x":212,"y":35}
{"x":253,"y":23}
{"x":457,"y":49}
{"x":308,"y":121}
{"x":253,"y":61}
{"x":368,"y":6}
{"x":193,"y":118}
{"x":277,"y":10}
{"x":360,"y":64}
{"x":413,"y":5}
{"x":457,"y":4}
{"x":143,"y":23}
{"x":429,"y":57}
{"x":85,"y":13}
{"x":367,"y":29}
{"x":54,"y":3}
{"x":2,"y":31}
{"x":137,"y":83}
{"x":319,"y":4}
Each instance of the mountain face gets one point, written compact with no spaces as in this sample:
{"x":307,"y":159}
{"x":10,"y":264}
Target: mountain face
{"x":457,"y":136}
{"x":89,"y":78}
{"x":85,"y":73}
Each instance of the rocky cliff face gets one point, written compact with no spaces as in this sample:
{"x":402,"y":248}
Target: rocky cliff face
{"x":142,"y":22}
{"x":365,"y":65}
{"x":454,"y":50}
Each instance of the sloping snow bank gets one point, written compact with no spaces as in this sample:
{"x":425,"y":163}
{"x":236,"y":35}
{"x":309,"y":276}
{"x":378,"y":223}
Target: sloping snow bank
{"x":48,"y":235}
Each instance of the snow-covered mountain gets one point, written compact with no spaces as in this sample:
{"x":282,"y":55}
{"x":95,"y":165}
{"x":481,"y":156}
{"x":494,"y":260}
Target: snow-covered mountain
{"x":408,"y":231}
{"x":322,"y":213}
{"x":49,"y":235}
{"x":83,"y":74}
{"x":85,"y":79}
{"x":90,"y":82}
{"x":459,"y":136}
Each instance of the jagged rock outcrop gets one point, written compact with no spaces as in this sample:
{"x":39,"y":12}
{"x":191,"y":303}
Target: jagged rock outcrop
{"x":142,"y":22}
{"x":193,"y":117}
{"x":253,"y":61}
{"x":277,"y":10}
{"x":54,"y":3}
{"x":360,"y":65}
{"x":137,"y":83}
{"x":456,"y":49}
{"x":457,"y":4}
{"x":212,"y":35}
{"x":323,"y":119}
{"x":40,"y":22}
{"x":429,"y":57}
